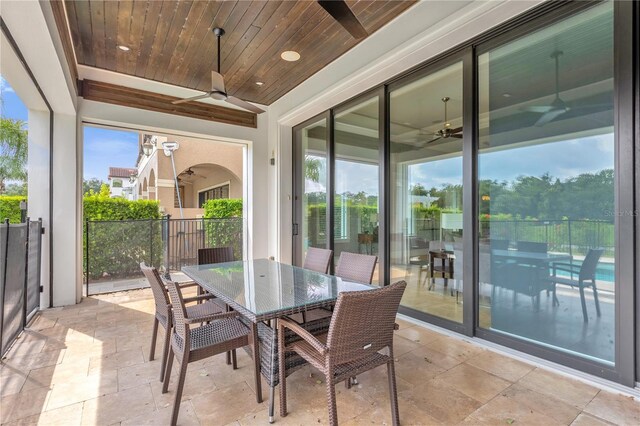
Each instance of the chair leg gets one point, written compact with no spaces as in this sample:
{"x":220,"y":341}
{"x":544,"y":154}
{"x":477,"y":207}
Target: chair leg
{"x":176,"y":403}
{"x":393,"y":392}
{"x":595,"y":298}
{"x":331,"y":399}
{"x":234,"y":360}
{"x":228,"y":358}
{"x":555,"y":297}
{"x":585,"y":316}
{"x":167,"y":372}
{"x":282,"y":374}
{"x":165,"y":351}
{"x":154,"y":335}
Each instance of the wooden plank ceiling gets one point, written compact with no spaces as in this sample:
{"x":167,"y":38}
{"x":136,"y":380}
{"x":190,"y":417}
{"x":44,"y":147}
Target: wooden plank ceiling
{"x":172,"y":41}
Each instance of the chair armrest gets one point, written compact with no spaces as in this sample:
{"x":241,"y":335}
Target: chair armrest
{"x":215,"y":317}
{"x":308,"y":337}
{"x":198,"y":298}
{"x":184,"y":284}
{"x":567,"y":267}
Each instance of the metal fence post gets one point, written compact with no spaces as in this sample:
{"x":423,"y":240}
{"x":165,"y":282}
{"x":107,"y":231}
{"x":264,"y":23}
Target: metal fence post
{"x":26,"y":277}
{"x":86,"y":254}
{"x":569,"y":235}
{"x":167,"y":245}
{"x":4,"y":284}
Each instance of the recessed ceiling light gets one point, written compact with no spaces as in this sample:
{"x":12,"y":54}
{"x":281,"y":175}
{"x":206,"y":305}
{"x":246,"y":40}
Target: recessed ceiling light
{"x":259,"y":83}
{"x":506,"y":95}
{"x":123,"y":48}
{"x":290,"y":56}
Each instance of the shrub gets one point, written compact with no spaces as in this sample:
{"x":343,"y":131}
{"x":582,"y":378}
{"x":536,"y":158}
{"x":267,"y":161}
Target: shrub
{"x":223,"y":208}
{"x":119,"y":237}
{"x":10,"y":208}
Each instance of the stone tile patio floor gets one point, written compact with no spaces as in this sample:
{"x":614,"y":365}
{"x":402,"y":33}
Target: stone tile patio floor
{"x":88,"y":364}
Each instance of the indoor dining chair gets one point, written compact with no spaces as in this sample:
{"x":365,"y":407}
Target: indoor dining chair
{"x":356,"y":267}
{"x":318,"y":259}
{"x":356,"y":342}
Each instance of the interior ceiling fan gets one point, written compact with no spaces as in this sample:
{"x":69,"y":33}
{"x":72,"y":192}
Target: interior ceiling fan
{"x":558,"y":106}
{"x":345,"y":17}
{"x":446,"y":131}
{"x":218,"y":90}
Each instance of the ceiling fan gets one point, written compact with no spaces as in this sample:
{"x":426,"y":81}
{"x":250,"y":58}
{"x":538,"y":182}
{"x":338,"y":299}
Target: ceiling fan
{"x":218,"y":90}
{"x":345,"y":17}
{"x":189,"y":173}
{"x":446,"y":131}
{"x":557,"y":107}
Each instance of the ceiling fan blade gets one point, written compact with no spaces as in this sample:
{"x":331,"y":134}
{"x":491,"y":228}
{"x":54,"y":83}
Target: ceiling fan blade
{"x":457,"y":136}
{"x":242,"y":104}
{"x":549,"y":117}
{"x":456,"y":130}
{"x":217,"y":82}
{"x":194,"y":98}
{"x":431,"y":141}
{"x":345,"y":17}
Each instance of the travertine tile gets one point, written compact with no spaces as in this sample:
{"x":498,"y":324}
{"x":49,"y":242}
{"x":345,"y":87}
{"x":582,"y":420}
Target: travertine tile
{"x":500,"y":365}
{"x":570,"y":391}
{"x":615,"y":408}
{"x":440,"y":379}
{"x":588,"y":420}
{"x":83,"y":389}
{"x":473,"y":382}
{"x":118,"y":406}
{"x":552,"y":407}
{"x":69,"y":415}
{"x":502,"y":410}
{"x":186,"y":417}
{"x":23,"y":404}
{"x":226,"y":404}
{"x":443,"y":403}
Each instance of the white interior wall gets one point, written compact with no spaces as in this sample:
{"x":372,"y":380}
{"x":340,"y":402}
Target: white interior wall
{"x":424,"y":31}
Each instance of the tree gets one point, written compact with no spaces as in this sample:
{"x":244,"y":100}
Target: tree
{"x":312,"y":166}
{"x":13,"y":151}
{"x":93,"y":184}
{"x":16,"y":189}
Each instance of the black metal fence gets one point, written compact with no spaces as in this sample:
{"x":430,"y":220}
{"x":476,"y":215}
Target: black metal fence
{"x":20,"y":257}
{"x":114,"y":249}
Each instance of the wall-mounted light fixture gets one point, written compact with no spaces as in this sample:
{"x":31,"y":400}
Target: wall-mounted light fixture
{"x":147,"y":148}
{"x":133,"y":176}
{"x":272,"y":161}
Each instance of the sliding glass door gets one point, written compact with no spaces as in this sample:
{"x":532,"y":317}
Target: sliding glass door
{"x":426,"y":191}
{"x":311,"y":180}
{"x":546,"y":178}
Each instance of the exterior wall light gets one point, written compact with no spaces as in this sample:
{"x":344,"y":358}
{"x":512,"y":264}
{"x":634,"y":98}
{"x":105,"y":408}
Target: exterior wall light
{"x":147,"y":148}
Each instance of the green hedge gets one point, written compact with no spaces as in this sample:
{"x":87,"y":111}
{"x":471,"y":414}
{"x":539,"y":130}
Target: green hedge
{"x":10,"y":207}
{"x":223,"y":208}
{"x":116,"y":248}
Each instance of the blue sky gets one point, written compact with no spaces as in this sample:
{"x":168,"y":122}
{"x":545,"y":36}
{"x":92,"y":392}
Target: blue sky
{"x":103,"y":148}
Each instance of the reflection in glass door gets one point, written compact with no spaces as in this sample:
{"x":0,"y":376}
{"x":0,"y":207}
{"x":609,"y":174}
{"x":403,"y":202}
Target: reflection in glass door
{"x":546,"y":183}
{"x":356,"y":199}
{"x":311,"y":179}
{"x":426,"y":192}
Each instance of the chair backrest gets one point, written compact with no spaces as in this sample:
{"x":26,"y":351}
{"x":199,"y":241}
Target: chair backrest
{"x":215,"y":255}
{"x":180,"y":327}
{"x":590,"y":263}
{"x":363,"y":322}
{"x":531,"y":246}
{"x":356,"y":267}
{"x":318,"y":259}
{"x":160,"y":295}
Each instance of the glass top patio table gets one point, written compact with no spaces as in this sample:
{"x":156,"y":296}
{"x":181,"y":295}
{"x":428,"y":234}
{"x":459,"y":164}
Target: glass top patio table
{"x":264,"y":289}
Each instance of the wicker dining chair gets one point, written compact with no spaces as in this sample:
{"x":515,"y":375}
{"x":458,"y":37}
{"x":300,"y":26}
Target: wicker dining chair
{"x":355,"y":343}
{"x":318,"y":259}
{"x":164,"y":314}
{"x":356,"y":267}
{"x":223,"y":333}
{"x":215,"y":255}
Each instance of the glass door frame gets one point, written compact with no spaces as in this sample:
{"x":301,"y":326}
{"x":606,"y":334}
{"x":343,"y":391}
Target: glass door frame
{"x":297,"y":183}
{"x":626,"y":369}
{"x":465,"y":56}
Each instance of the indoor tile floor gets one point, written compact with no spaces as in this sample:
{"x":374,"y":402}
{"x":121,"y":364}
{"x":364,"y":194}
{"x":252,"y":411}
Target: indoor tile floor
{"x":88,"y":364}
